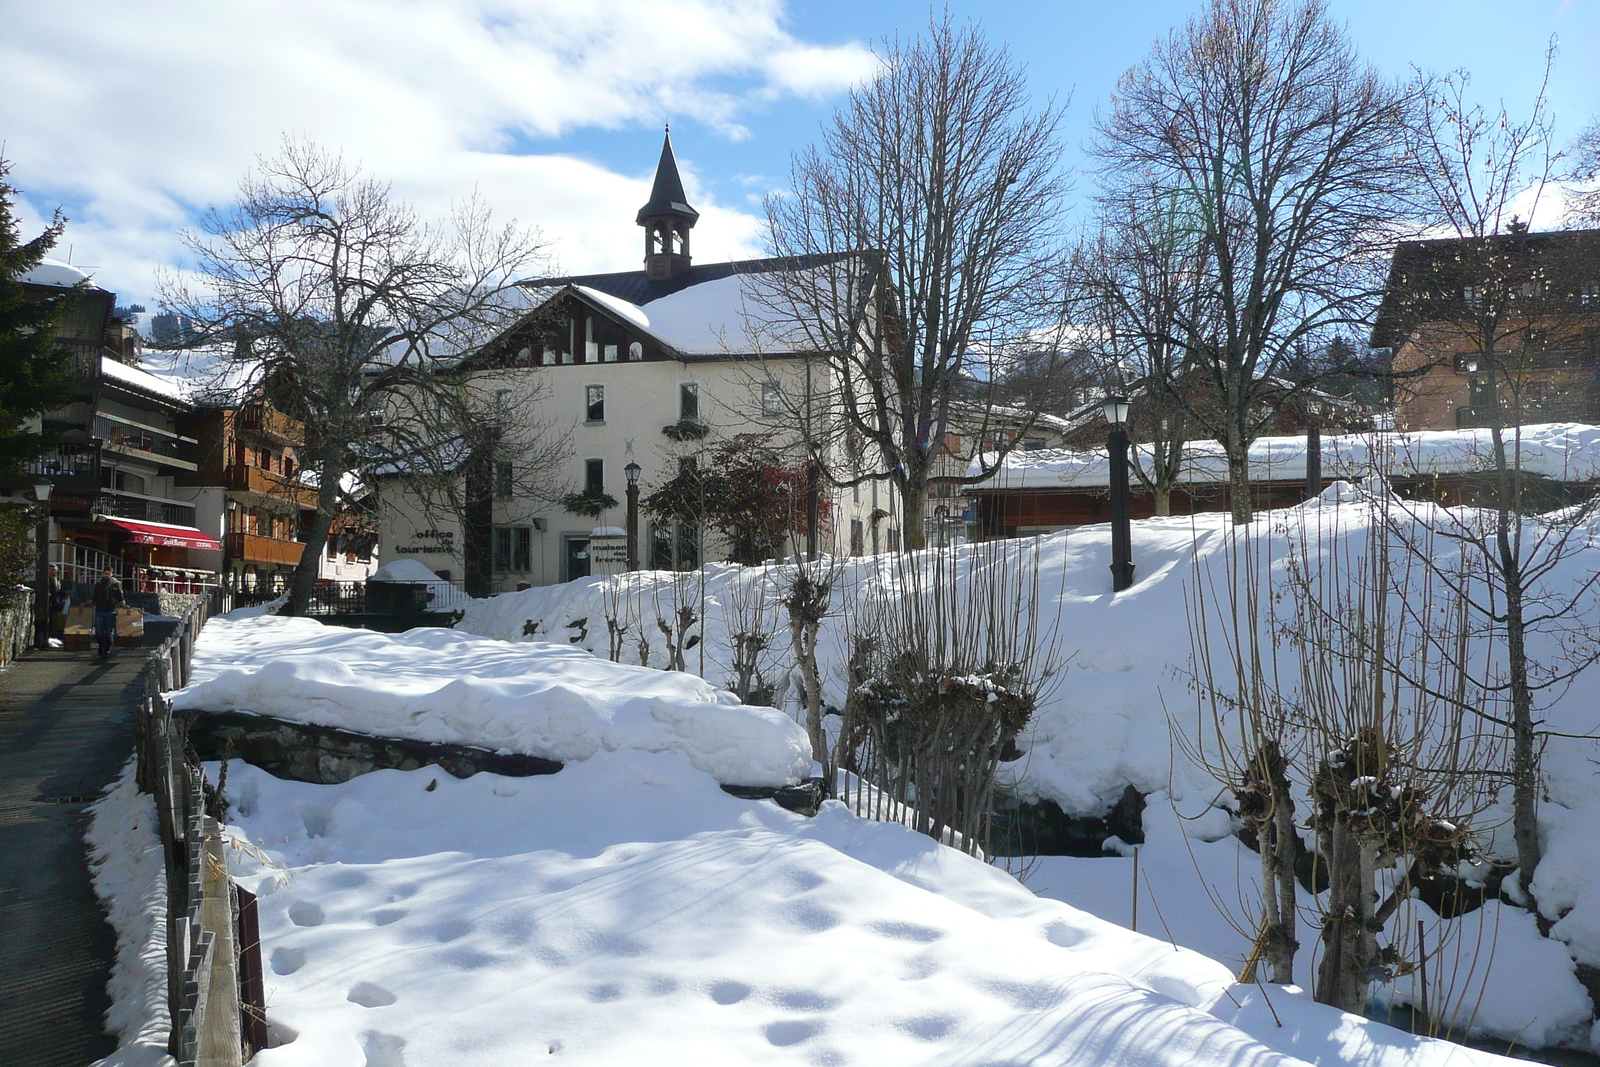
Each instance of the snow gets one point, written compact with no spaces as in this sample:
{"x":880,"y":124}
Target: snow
{"x":627,"y":911}
{"x":731,"y":314}
{"x":170,"y":388}
{"x":444,"y":596}
{"x":630,"y":311}
{"x":1563,"y":451}
{"x":130,"y":880}
{"x":1108,"y":723}
{"x":404,"y":570}
{"x":54,"y":272}
{"x":438,"y":685}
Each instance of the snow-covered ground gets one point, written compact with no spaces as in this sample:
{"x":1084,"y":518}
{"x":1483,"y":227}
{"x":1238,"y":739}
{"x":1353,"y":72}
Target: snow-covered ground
{"x":1108,"y":723}
{"x":444,"y":686}
{"x":628,"y":911}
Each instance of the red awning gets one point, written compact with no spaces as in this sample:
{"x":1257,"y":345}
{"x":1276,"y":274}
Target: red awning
{"x":159,"y":533}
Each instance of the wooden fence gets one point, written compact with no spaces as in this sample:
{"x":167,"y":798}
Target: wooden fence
{"x":207,"y":959}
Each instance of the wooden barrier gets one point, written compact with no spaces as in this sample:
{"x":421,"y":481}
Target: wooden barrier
{"x":210,"y":1027}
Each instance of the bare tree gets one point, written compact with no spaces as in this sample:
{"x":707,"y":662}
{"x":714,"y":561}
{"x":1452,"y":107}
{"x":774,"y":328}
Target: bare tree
{"x":947,"y":187}
{"x":1504,"y":305}
{"x":1261,"y":132}
{"x":348,"y":313}
{"x":1584,"y":175}
{"x":1136,"y":286}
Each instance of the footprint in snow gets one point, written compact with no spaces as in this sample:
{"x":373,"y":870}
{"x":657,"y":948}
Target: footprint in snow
{"x":306,"y":913}
{"x":288,"y":960}
{"x":791,"y":1032}
{"x":370,"y":995}
{"x":729,"y":992}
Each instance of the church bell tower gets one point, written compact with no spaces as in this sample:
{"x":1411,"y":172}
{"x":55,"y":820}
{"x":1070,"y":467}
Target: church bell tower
{"x":667,"y":220}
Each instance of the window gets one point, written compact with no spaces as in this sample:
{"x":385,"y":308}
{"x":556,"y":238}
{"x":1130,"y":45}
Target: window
{"x":611,"y":353}
{"x":771,"y":399}
{"x":522,"y":549}
{"x":689,"y":401}
{"x":635,"y":352}
{"x":549,"y":357}
{"x":513,"y":549}
{"x":504,"y":480}
{"x":857,"y":538}
{"x":594,"y":403}
{"x":894,"y":540}
{"x":674,"y":546}
{"x":594,"y":476}
{"x":1588,"y":295}
{"x":566,"y":357}
{"x":333,"y":550}
{"x":502,"y":401}
{"x":591,"y":351}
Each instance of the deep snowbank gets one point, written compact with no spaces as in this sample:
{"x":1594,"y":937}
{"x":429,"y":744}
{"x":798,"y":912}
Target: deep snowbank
{"x":130,"y":879}
{"x":445,"y":686}
{"x":627,"y":911}
{"x":1110,"y":720}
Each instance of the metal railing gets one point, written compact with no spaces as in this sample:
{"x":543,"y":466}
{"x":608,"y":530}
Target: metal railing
{"x":80,"y":566}
{"x":145,"y":509}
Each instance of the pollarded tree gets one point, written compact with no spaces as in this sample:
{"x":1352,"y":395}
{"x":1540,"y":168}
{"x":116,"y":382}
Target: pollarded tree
{"x":1507,"y":307}
{"x":947,"y":185}
{"x":350,"y":314}
{"x":1260,"y":127}
{"x":35,"y":374}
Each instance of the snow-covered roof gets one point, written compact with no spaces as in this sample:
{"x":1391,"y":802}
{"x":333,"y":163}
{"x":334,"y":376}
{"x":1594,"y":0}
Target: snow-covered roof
{"x":1562,"y":451}
{"x":172,"y":389}
{"x":404,"y":570}
{"x":206,"y":376}
{"x":54,"y":272}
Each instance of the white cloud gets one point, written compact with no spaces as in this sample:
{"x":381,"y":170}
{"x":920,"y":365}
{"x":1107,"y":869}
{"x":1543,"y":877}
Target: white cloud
{"x":139,"y":114}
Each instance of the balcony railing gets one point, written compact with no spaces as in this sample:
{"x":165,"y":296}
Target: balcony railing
{"x":242,"y":478}
{"x":145,"y":509}
{"x":255,"y":548}
{"x":145,"y":443}
{"x":272,"y":425}
{"x":1472,"y":418}
{"x":66,"y":461}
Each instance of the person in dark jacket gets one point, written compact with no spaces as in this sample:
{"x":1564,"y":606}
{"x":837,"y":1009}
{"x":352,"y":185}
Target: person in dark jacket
{"x":107,"y":599}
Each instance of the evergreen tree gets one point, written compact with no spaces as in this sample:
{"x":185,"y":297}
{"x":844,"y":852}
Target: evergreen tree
{"x":35,"y":374}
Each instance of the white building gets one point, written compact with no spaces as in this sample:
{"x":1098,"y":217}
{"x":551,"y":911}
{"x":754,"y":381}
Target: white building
{"x":651,"y":367}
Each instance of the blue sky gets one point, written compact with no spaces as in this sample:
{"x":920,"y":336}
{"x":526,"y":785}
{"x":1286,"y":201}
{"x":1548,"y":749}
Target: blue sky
{"x":135,"y":114}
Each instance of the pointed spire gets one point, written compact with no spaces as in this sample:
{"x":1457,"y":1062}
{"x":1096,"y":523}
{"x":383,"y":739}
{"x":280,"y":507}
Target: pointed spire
{"x":666,"y":195}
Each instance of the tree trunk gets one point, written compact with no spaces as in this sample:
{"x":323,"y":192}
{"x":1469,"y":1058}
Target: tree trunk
{"x":1347,"y":942}
{"x":1163,"y":502}
{"x":1239,"y":485}
{"x":315,"y":541}
{"x":913,"y":512}
{"x":1524,"y":737}
{"x":804,"y":635}
{"x":1277,"y":840}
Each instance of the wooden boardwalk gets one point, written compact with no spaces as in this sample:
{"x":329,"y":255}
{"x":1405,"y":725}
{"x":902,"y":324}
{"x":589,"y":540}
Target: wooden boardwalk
{"x":66,"y":729}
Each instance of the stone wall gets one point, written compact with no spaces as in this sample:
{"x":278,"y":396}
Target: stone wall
{"x":326,"y":756}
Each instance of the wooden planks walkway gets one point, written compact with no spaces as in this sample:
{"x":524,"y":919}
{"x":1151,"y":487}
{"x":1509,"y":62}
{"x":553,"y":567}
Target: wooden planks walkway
{"x":66,"y":729}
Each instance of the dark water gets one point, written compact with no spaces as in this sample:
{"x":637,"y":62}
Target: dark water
{"x":1402,"y":1018}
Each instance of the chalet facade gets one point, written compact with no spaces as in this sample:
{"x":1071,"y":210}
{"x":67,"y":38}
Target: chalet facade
{"x":1507,"y":324}
{"x":650,"y":367}
{"x":117,"y":451}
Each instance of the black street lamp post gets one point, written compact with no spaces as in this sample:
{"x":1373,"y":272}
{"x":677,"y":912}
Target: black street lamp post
{"x":41,"y":593}
{"x":1313,"y":450}
{"x":632,"y":471}
{"x":1116,"y":412}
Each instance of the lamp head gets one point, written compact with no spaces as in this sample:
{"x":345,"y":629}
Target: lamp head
{"x":632,"y":471}
{"x":1115,"y":407}
{"x":41,"y":490}
{"x":1470,"y":364}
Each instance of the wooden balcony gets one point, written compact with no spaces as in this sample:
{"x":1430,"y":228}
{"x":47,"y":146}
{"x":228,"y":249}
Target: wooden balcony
{"x":253,"y":548}
{"x":242,"y":478}
{"x":260,"y":421}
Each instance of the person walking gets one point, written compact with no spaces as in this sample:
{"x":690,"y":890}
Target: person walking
{"x":107,"y":599}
